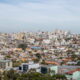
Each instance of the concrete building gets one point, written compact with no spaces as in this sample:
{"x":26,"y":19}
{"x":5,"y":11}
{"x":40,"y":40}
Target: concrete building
{"x":25,"y":67}
{"x":63,"y":69}
{"x":47,"y":69}
{"x":5,"y":64}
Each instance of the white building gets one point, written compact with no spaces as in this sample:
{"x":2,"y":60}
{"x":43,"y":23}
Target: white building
{"x":5,"y":64}
{"x":25,"y":67}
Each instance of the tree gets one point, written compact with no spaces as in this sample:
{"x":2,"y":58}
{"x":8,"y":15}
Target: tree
{"x":1,"y":76}
{"x":16,"y":63}
{"x":23,"y":46}
{"x":10,"y":75}
{"x":43,"y":62}
{"x":38,"y":55}
{"x":78,"y":63}
{"x":32,"y":75}
{"x":60,"y":77}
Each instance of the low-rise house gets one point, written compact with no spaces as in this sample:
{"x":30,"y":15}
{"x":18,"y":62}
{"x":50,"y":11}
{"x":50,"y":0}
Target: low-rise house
{"x":5,"y":64}
{"x":73,"y":74}
{"x":71,"y":63}
{"x":52,"y":62}
{"x":63,"y":69}
{"x":1,"y":57}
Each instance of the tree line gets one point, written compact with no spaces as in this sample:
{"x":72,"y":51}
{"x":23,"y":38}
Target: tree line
{"x":12,"y":75}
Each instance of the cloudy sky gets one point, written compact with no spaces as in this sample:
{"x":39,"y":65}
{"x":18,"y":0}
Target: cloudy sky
{"x":44,"y":15}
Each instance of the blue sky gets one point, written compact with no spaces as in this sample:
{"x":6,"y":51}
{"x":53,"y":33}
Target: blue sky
{"x":34,"y":15}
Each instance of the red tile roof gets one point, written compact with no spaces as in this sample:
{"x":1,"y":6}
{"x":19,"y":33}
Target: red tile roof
{"x":71,"y":72}
{"x":52,"y":62}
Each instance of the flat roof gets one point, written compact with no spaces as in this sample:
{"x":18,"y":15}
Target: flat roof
{"x":5,"y":60}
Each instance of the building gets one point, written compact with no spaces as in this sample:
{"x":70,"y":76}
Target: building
{"x":5,"y":64}
{"x":63,"y":69}
{"x":47,"y":69}
{"x":73,"y":75}
{"x":25,"y":67}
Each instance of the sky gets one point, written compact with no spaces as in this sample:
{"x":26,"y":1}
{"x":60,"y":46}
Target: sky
{"x":44,"y":15}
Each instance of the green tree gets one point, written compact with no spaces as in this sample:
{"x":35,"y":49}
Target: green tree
{"x":60,"y":77}
{"x":78,"y":63}
{"x":10,"y":75}
{"x":38,"y":55}
{"x":32,"y":75}
{"x":23,"y":46}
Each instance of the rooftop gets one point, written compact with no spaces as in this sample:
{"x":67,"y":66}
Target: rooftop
{"x":5,"y":60}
